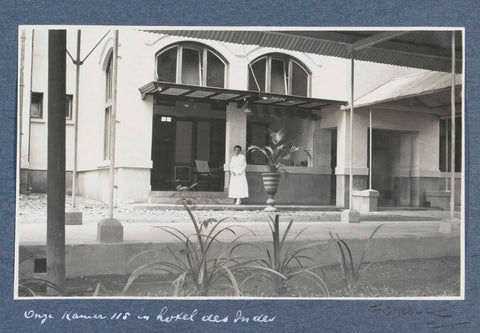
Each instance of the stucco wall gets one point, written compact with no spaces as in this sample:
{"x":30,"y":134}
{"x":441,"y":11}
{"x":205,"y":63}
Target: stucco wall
{"x":39,"y":84}
{"x":330,"y":79}
{"x":295,"y":188}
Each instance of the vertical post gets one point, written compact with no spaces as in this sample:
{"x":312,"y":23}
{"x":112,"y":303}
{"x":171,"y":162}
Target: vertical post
{"x":30,"y":92}
{"x":351,"y":215}
{"x":113,"y":122}
{"x":56,"y":157}
{"x":110,"y":230}
{"x":352,"y":84}
{"x":371,"y":152}
{"x":75,"y":144}
{"x":446,"y":154}
{"x":23,"y":186}
{"x":452,"y":167}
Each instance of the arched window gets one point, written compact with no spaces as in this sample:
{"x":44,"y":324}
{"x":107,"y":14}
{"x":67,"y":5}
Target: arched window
{"x":279,"y":74}
{"x":193,"y":64}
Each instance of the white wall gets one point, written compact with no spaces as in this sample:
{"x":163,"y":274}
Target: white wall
{"x":136,"y":67}
{"x":92,"y":100}
{"x":39,"y":75}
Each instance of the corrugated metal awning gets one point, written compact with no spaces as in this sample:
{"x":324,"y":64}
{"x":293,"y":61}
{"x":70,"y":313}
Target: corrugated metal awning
{"x":417,"y":49}
{"x":256,"y":100}
{"x":410,"y":86}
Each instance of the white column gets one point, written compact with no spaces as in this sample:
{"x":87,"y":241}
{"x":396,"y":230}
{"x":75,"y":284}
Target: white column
{"x":343,"y":159}
{"x":452,"y":167}
{"x":235,"y":133}
{"x":322,"y":143}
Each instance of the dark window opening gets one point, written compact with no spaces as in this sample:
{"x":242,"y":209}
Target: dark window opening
{"x":299,"y":80}
{"x":40,"y":265}
{"x":445,"y":161}
{"x":108,"y":83}
{"x":190,"y":67}
{"x":106,"y":140}
{"x":215,"y":71}
{"x":259,"y":71}
{"x":68,"y":106}
{"x":167,"y":65}
{"x":278,"y":78}
{"x":36,"y":107}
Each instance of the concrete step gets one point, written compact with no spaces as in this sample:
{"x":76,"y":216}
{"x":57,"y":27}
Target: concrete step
{"x":198,"y":197}
{"x":189,"y":194}
{"x":230,"y":206}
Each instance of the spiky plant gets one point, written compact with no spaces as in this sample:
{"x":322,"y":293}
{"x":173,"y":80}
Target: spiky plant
{"x":30,"y":287}
{"x":278,"y":151}
{"x":195,"y":267}
{"x":285,"y":263}
{"x":351,"y":271}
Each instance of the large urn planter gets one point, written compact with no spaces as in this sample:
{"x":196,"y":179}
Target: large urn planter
{"x":279,"y":151}
{"x":271,"y":181}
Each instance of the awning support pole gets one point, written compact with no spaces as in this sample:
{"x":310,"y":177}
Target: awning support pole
{"x":452,"y":166}
{"x":352,"y":83}
{"x":446,"y":154}
{"x":371,"y":152}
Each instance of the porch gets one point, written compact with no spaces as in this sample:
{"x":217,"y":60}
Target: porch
{"x":195,"y":128}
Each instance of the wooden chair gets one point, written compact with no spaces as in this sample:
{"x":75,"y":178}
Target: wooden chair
{"x":203,"y":175}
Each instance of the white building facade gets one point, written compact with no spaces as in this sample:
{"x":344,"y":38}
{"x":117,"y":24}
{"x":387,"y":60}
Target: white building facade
{"x":182,"y":100}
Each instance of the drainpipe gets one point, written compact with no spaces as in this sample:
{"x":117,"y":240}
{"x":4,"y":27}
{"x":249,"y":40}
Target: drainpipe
{"x":452,"y":167}
{"x":20,"y":101}
{"x":29,"y":119}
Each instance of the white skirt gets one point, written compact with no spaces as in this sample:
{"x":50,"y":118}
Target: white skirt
{"x":238,"y":187}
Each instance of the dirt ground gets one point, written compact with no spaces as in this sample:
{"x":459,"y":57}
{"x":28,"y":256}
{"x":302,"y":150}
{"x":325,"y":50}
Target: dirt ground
{"x":33,"y":208}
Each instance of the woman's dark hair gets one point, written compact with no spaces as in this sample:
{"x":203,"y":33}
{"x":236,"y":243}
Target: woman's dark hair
{"x":238,"y":146}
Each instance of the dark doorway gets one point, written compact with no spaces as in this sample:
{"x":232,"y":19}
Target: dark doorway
{"x":386,"y":151}
{"x":162,"y":152}
{"x":257,"y":135}
{"x":333,"y":165}
{"x":177,"y":142}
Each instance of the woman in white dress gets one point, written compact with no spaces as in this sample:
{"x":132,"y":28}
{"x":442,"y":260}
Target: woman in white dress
{"x":238,"y":180}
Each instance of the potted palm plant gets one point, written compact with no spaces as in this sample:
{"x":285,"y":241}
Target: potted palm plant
{"x":276,"y":153}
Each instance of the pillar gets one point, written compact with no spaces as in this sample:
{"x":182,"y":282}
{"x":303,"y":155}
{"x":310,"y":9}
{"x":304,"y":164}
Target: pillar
{"x":235,"y":134}
{"x":342,"y":170}
{"x":403,"y":164}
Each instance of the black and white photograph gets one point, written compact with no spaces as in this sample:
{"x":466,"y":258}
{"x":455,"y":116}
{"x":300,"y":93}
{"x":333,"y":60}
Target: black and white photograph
{"x":159,"y":162}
